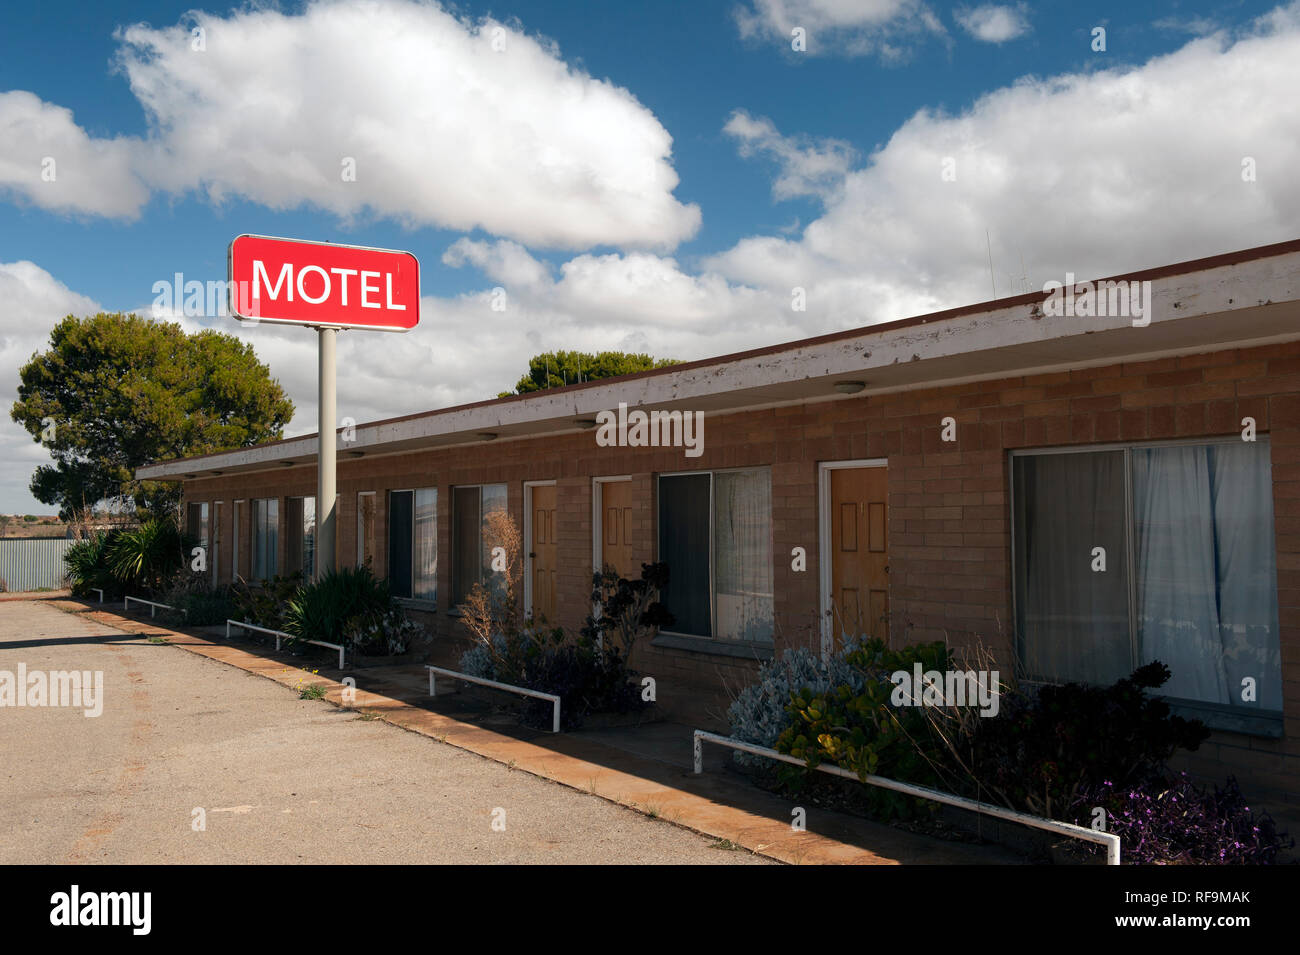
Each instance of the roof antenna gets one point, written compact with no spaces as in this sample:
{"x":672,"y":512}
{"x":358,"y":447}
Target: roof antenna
{"x":991,"y":280}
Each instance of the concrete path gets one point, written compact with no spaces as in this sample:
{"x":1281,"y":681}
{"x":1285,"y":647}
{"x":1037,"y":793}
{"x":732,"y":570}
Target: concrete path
{"x":278,"y":779}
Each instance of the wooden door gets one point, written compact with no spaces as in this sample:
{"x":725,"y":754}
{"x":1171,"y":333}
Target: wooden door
{"x":859,"y":552}
{"x":615,"y":528}
{"x":542,"y":551}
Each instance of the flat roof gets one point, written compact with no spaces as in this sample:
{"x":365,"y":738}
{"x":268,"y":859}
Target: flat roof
{"x":1239,"y":298}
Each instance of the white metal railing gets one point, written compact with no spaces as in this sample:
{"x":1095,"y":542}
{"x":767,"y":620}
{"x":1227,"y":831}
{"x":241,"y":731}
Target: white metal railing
{"x":100,"y":591}
{"x":153,"y":605}
{"x":281,"y":635}
{"x":555,"y":700}
{"x":1107,"y":839}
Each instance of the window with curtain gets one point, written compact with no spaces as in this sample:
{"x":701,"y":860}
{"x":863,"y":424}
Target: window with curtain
{"x":1189,"y":577}
{"x":413,"y":543}
{"x":266,"y":532}
{"x":715,"y":534}
{"x":300,"y":547}
{"x":196,"y":522}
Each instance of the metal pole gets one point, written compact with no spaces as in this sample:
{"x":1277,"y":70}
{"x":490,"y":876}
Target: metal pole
{"x":325,"y":463}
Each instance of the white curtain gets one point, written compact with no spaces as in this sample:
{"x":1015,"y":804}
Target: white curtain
{"x":742,"y":549}
{"x":1206,"y":595}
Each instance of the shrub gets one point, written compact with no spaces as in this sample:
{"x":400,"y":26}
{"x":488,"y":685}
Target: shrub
{"x":198,"y":603}
{"x":1047,"y":747}
{"x":339,"y":606}
{"x":627,"y":608}
{"x":264,"y":603}
{"x":87,"y":565}
{"x":758,"y":713}
{"x":150,"y":556}
{"x":587,"y":677}
{"x":858,"y":729}
{"x":390,"y":633}
{"x":1176,"y":821}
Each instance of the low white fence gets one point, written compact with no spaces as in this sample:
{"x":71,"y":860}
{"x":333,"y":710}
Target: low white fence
{"x":509,"y":688}
{"x":281,"y":635}
{"x":1107,"y":839}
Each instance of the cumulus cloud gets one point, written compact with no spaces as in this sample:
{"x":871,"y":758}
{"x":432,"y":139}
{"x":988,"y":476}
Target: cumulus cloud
{"x":368,"y":108}
{"x":1094,"y":173}
{"x":884,"y":28}
{"x":47,"y":160}
{"x":994,"y":23}
{"x":807,"y":167}
{"x":31,"y":303}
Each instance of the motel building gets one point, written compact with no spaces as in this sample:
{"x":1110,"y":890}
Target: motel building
{"x":1078,"y":492}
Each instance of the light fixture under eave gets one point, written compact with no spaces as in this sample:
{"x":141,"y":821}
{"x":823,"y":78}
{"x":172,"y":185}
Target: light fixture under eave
{"x":286,"y":464}
{"x":189,"y":477}
{"x":216,"y":473}
{"x":487,"y":435}
{"x":356,"y":454}
{"x":585,"y":423}
{"x":849,"y":387}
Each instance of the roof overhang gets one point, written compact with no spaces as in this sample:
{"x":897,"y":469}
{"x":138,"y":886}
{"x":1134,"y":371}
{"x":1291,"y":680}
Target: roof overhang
{"x":1229,"y":301}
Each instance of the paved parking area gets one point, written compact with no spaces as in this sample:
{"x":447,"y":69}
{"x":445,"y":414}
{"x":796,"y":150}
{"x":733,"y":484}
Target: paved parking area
{"x":277,"y":779}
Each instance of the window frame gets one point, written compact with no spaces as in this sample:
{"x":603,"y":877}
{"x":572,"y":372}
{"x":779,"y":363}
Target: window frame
{"x":453,"y":536}
{"x":422,"y":603}
{"x":715,"y":643}
{"x":1267,"y":723}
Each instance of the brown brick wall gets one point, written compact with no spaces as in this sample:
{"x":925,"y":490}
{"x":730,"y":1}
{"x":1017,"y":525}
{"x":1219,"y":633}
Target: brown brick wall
{"x":949,"y":532}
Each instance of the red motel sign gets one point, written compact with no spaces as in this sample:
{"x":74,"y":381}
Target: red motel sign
{"x":294,"y":282}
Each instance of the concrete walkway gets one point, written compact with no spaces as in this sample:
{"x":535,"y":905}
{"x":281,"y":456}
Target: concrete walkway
{"x":647,"y":769}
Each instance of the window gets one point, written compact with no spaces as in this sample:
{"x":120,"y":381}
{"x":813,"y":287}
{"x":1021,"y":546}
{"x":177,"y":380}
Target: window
{"x":300,"y":547}
{"x":715,"y":534}
{"x":471,"y":546}
{"x":413,"y":543}
{"x":366,"y":528}
{"x":196,"y":523}
{"x":266,"y":533}
{"x":234,"y":539}
{"x":1186,"y":535}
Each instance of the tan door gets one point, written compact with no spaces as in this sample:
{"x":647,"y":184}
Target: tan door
{"x":543,"y":552}
{"x":615,"y":527}
{"x":859,"y":552}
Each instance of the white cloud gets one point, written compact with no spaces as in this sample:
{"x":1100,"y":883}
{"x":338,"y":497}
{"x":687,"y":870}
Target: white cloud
{"x":808,"y":167}
{"x":32,"y":302}
{"x":884,"y":28}
{"x":1094,"y":173}
{"x":449,"y":123}
{"x":994,"y":23}
{"x":47,"y":160}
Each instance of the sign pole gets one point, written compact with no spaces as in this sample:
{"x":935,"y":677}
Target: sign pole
{"x":325,"y":456}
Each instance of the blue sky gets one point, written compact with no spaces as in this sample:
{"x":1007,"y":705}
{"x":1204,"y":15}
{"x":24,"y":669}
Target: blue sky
{"x":515,"y":166}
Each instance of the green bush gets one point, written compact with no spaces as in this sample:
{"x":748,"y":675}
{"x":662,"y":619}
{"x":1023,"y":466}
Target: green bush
{"x":87,"y":565}
{"x":150,"y":556}
{"x":859,"y":730}
{"x":198,"y":604}
{"x":264,"y":603}
{"x":338,"y":607}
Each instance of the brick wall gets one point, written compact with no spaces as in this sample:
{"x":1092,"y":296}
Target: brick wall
{"x":949,"y":533}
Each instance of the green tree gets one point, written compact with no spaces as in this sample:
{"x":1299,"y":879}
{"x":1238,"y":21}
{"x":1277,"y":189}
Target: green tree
{"x":555,"y":369}
{"x":117,"y":391}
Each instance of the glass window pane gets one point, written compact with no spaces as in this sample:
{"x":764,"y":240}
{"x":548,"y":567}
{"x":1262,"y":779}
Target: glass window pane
{"x":684,"y":547}
{"x":399,"y":542}
{"x":466,"y":519}
{"x":742,"y":555}
{"x":493,"y":498}
{"x":1073,"y":620}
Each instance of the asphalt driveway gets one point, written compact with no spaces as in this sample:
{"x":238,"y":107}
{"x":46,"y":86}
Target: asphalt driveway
{"x":193,"y":761}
